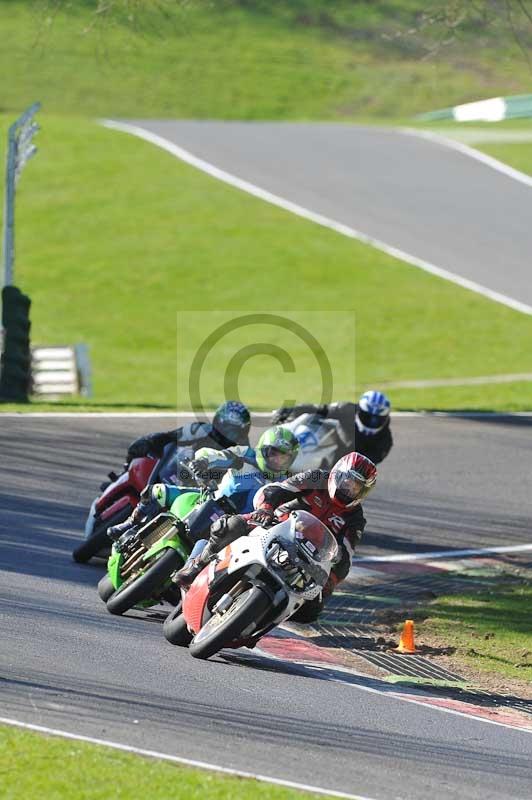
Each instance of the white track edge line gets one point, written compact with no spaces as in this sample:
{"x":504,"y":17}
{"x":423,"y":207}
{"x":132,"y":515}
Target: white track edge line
{"x":407,"y":699}
{"x":260,"y":414}
{"x":434,"y":707}
{"x":178,"y":760}
{"x":312,"y":216}
{"x":495,"y":415}
{"x":472,"y":152}
{"x":481,"y":551}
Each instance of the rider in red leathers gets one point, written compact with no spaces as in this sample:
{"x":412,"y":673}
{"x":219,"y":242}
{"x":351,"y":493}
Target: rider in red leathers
{"x":333,"y":497}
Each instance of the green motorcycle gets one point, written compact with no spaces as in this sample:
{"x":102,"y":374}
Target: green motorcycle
{"x":141,"y":564}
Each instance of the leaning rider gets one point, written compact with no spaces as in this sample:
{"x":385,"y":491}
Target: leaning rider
{"x":333,"y":497}
{"x":230,"y":425}
{"x":364,"y":426}
{"x":242,"y":471}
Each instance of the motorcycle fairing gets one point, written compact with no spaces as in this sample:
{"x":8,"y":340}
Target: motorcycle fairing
{"x":126,"y":500}
{"x":195,"y":599}
{"x":116,"y":559}
{"x":136,"y":477}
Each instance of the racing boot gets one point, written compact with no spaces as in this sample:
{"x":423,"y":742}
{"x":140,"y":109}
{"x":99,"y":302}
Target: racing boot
{"x":222,"y":532}
{"x":186,"y":576}
{"x":134,"y":519}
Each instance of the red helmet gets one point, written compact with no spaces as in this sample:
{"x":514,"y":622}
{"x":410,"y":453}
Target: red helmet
{"x":351,"y":479}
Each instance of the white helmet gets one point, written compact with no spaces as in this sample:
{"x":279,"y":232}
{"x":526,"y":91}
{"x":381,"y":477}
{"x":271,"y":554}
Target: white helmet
{"x":373,"y":413}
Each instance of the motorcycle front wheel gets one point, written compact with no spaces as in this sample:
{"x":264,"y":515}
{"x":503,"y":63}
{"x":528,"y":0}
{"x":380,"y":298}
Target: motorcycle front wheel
{"x":147,"y":584}
{"x":221,"y":630}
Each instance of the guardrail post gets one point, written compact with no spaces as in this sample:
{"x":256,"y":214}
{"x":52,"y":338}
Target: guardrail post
{"x":15,"y":363}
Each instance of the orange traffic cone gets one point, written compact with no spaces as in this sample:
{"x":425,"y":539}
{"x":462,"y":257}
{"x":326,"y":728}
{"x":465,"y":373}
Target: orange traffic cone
{"x":406,"y":642}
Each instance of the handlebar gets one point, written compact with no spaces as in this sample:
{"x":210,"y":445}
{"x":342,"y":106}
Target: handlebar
{"x":210,"y":486}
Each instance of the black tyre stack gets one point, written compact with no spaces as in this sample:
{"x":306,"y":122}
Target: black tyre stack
{"x":15,"y":365}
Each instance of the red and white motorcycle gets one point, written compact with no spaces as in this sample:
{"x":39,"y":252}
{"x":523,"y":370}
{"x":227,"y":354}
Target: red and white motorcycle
{"x":253,"y":585}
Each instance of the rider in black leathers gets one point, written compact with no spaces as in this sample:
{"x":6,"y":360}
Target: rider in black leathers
{"x":364,"y":426}
{"x":230,"y":426}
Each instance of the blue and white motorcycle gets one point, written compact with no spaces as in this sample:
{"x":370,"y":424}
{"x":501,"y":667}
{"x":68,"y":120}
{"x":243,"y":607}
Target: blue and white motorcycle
{"x":320,"y":441}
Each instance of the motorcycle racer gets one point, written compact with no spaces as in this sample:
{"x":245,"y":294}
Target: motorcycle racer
{"x":276,"y":450}
{"x":333,"y":497}
{"x":364,"y":426}
{"x":242,"y":471}
{"x":230,"y":426}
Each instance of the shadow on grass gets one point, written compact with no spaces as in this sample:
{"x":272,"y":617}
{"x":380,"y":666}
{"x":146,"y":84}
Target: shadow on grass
{"x":503,"y":609}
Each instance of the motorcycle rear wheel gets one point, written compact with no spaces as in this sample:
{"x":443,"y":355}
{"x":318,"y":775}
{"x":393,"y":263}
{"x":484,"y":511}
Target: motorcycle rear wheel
{"x":175,"y":628}
{"x":146,"y":585}
{"x":99,"y":540}
{"x":222,"y":630}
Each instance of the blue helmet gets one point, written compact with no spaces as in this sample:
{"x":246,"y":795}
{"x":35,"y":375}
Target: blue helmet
{"x":373,"y":413}
{"x":232,"y":422}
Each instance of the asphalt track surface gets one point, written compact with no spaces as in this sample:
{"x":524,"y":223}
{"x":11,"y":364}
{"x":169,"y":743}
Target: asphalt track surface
{"x":417,"y":195}
{"x":66,"y":663}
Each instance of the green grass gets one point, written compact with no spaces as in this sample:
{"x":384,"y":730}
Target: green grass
{"x":34,"y":765}
{"x":117,"y":239}
{"x":492,"y":631}
{"x":292,"y":59}
{"x":486,"y":397}
{"x":518,"y":155}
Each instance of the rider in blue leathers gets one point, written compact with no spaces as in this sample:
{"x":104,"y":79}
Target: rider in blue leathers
{"x":241,"y":470}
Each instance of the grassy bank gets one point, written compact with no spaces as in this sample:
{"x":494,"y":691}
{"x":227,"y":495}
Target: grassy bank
{"x":34,"y":765}
{"x":112,"y":248}
{"x":491,"y":632}
{"x":292,"y":59}
{"x":518,"y":155}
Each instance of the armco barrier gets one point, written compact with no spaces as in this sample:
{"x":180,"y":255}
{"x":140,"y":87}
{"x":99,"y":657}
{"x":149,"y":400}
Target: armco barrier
{"x":62,"y":370}
{"x":493,"y":110}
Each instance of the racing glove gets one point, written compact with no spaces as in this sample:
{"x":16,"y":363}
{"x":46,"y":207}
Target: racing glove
{"x":199,"y":468}
{"x":262,"y":517}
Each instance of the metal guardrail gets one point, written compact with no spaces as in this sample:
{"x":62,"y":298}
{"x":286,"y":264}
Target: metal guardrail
{"x":493,"y":110}
{"x":19,"y":151}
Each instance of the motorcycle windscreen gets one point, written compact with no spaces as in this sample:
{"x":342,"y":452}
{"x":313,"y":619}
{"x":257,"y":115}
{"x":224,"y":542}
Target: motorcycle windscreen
{"x":311,"y":534}
{"x":171,"y":469}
